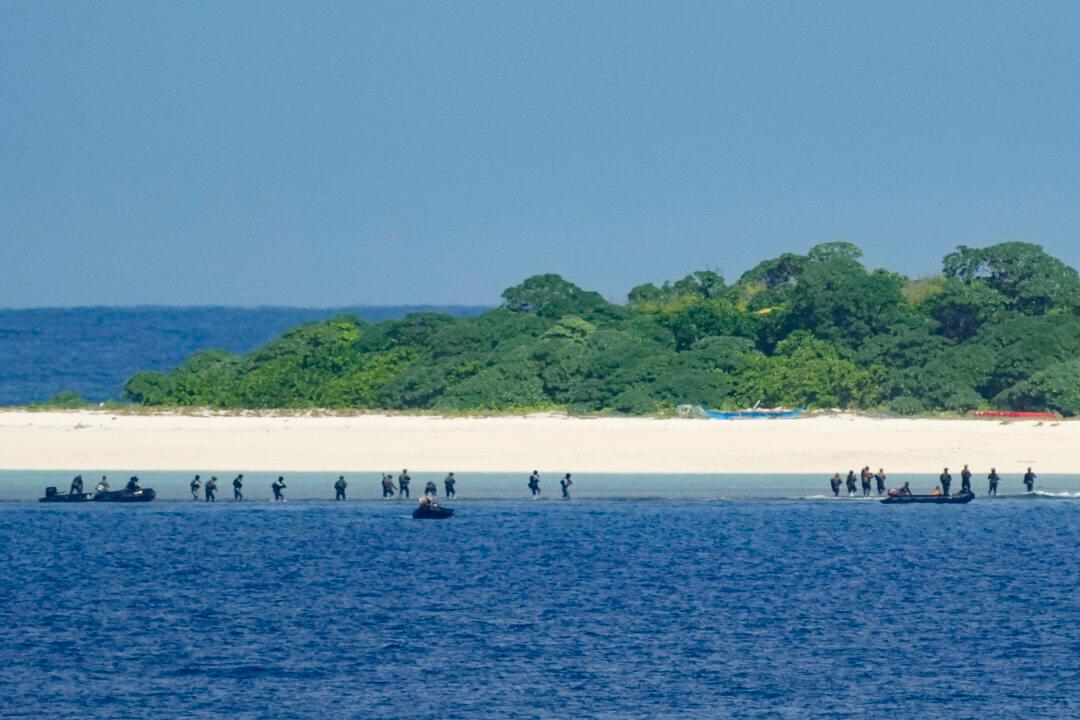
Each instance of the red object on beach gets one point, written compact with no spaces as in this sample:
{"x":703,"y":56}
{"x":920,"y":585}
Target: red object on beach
{"x":1016,"y":414}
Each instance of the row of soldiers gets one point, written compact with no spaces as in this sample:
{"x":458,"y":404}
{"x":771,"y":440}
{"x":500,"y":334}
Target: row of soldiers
{"x":389,"y":489}
{"x":866,"y":478}
{"x":852,"y":485}
{"x":209,"y":488}
{"x":403,"y":480}
{"x":402,"y":487}
{"x":993,"y":478}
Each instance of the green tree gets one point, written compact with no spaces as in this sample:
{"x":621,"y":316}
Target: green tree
{"x":962,"y":308}
{"x":207,"y":378}
{"x":295,"y":370}
{"x":418,"y":386}
{"x":1032,"y":281}
{"x":615,"y":361}
{"x":695,"y":319}
{"x":832,"y":250}
{"x":67,"y":400}
{"x":777,"y":272}
{"x":552,"y":297}
{"x":926,"y":371}
{"x":562,"y":355}
{"x":839,"y":301}
{"x":806,"y":371}
{"x":513,"y":383}
{"x":708,"y":374}
{"x":1055,"y":388}
{"x":1022,"y":346}
{"x":703,"y":284}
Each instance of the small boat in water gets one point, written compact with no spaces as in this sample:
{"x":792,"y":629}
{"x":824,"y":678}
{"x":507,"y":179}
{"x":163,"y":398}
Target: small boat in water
{"x":141,"y":495}
{"x":124,"y":496}
{"x":431,"y":511}
{"x":898,"y":499}
{"x":51,"y":495}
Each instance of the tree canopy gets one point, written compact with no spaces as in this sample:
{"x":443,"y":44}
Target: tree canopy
{"x":998,"y":328}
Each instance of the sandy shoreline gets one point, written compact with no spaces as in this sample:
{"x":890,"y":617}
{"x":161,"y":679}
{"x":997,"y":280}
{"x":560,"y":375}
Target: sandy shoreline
{"x":79,"y":440}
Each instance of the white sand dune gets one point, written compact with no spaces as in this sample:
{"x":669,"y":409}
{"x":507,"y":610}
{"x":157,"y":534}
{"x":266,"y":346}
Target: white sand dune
{"x":102,"y":440}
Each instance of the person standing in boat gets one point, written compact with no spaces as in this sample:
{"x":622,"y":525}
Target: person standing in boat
{"x":448,"y":486}
{"x":835,"y":482}
{"x":388,"y":488}
{"x":278,"y":486}
{"x":851,"y":483}
{"x":864,"y":477}
{"x":403,"y":483}
{"x":946,"y":481}
{"x":994,"y":479}
{"x":965,"y":479}
{"x":565,"y":483}
{"x":430,"y":490}
{"x":76,"y":486}
{"x":195,"y":485}
{"x":238,"y":487}
{"x":534,"y":483}
{"x":339,"y":488}
{"x":1029,"y":480}
{"x":102,"y":486}
{"x":211,"y":489}
{"x":880,"y":477}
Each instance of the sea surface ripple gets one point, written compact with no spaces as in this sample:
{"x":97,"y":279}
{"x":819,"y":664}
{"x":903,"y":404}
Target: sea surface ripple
{"x":515,"y":609}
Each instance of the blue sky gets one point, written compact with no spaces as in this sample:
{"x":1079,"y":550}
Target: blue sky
{"x":406,"y":152}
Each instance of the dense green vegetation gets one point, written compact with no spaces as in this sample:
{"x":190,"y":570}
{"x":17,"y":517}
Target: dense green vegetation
{"x":1000,"y":327}
{"x":67,"y":400}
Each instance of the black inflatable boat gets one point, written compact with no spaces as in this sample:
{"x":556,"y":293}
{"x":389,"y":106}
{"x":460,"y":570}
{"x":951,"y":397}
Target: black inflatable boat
{"x":958,"y":499}
{"x":143,"y":495}
{"x":52,"y":496}
{"x":432,"y":512}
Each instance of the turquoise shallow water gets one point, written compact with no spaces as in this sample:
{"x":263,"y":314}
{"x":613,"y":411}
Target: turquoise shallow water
{"x":29,"y":485}
{"x":643,"y":597}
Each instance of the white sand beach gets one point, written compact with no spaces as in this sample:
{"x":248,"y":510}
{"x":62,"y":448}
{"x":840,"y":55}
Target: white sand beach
{"x":105,"y":440}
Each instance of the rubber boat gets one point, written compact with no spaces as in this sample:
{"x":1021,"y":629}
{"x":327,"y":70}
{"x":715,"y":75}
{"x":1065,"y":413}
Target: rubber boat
{"x":958,"y":499}
{"x":144,"y":495}
{"x":52,"y":496}
{"x":432,"y":512}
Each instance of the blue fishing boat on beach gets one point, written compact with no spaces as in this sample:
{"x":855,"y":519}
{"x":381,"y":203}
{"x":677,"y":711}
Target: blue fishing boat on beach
{"x":754,"y":414}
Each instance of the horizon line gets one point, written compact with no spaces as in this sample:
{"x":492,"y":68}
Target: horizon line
{"x":162,"y":306}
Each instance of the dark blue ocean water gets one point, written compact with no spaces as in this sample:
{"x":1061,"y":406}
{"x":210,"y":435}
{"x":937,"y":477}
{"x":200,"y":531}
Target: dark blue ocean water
{"x":518,"y":609}
{"x":44,"y":351}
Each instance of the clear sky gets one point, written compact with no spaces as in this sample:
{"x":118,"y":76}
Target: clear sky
{"x":318,"y":153}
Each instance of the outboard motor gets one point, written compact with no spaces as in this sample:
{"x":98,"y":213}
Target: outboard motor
{"x":50,"y":492}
